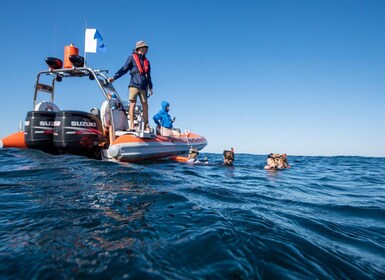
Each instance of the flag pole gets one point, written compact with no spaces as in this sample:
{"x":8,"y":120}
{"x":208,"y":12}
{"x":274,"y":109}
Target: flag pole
{"x":85,"y":58}
{"x":85,"y":30}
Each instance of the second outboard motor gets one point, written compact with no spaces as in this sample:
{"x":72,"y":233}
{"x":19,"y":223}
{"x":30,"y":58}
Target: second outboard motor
{"x":39,"y":129}
{"x":78,"y":133}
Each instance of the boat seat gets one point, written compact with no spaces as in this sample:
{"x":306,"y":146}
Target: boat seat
{"x":120,"y":119}
{"x":46,"y":106}
{"x":124,"y":132}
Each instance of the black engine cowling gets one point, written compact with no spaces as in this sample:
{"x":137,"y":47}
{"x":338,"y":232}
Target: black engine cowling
{"x":78,"y":133}
{"x":39,"y":129}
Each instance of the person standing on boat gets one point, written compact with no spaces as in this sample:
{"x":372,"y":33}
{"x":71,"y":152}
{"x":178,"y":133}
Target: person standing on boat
{"x":140,"y":83}
{"x":164,"y":122}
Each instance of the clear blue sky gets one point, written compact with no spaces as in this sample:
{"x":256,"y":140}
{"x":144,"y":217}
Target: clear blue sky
{"x":302,"y":77}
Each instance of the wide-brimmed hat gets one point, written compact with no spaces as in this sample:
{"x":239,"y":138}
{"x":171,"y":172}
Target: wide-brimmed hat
{"x":141,"y":44}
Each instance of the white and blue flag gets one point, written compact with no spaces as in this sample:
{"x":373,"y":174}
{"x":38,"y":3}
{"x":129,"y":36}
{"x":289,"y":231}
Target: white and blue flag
{"x":94,"y":42}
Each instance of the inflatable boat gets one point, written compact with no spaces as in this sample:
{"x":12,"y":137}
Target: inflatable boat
{"x":55,"y":131}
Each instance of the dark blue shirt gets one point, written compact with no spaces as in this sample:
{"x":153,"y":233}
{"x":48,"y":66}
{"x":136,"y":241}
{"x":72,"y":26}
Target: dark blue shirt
{"x":140,"y":81}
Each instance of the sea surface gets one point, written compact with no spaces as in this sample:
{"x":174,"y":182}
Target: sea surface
{"x":69,"y":217}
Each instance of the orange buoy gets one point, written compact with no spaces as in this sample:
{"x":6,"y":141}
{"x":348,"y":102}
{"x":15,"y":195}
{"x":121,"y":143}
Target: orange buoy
{"x":14,"y":140}
{"x":179,"y":158}
{"x":69,"y":50}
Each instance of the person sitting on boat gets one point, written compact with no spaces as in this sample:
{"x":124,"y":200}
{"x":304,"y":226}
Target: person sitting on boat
{"x":228,"y":157}
{"x":105,"y":110}
{"x":164,"y":122}
{"x":111,"y":110}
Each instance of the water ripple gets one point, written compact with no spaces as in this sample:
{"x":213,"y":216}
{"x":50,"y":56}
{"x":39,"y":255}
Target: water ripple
{"x":69,"y":217}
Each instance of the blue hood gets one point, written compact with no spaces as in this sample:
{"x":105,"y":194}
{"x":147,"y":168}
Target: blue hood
{"x":162,"y":117}
{"x":164,"y":104}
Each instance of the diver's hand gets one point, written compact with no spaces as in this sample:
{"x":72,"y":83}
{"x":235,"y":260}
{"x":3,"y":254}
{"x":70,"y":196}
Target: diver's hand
{"x":111,"y":80}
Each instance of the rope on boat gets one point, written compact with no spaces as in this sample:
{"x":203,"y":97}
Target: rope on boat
{"x":187,"y":132}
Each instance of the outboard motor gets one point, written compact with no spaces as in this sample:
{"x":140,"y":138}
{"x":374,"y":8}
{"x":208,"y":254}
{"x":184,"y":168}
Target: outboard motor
{"x":78,"y":133}
{"x":39,"y":129}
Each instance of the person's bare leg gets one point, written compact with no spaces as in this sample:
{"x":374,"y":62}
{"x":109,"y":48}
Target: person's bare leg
{"x":145,"y":114}
{"x":111,"y":134}
{"x":132,"y":108}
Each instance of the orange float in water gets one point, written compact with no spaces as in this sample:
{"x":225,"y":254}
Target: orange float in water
{"x":69,"y":50}
{"x":179,"y":158}
{"x":15,"y":140}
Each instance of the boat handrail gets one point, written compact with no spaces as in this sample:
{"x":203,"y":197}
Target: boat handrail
{"x":99,"y":76}
{"x":58,"y":74}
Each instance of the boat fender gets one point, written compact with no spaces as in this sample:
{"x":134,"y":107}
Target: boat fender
{"x":114,"y":151}
{"x":14,"y":140}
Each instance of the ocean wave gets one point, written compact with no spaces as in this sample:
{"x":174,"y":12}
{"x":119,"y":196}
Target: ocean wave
{"x":70,"y":217}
